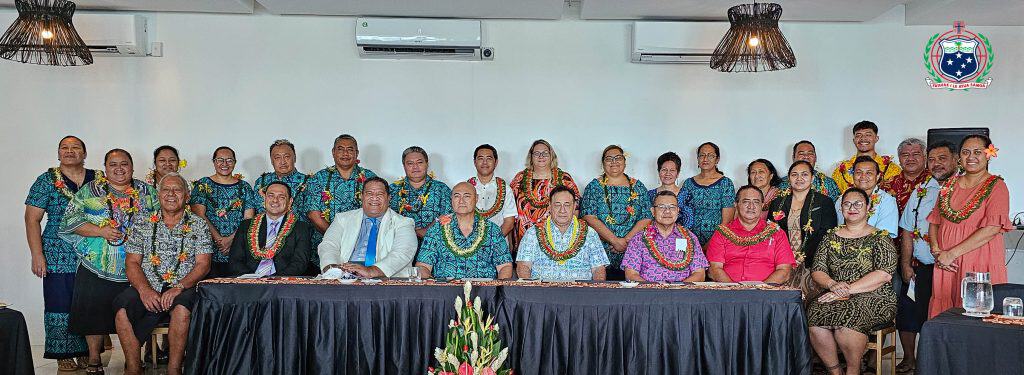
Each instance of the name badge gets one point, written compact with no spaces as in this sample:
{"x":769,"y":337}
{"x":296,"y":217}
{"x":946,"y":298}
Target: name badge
{"x":680,"y":244}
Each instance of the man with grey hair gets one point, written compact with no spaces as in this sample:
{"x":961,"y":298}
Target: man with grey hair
{"x":282,"y":158}
{"x":418,"y":195}
{"x":912,"y":154}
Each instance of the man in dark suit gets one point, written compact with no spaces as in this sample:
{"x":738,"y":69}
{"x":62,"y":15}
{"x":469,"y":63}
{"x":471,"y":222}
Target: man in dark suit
{"x":274,"y":242}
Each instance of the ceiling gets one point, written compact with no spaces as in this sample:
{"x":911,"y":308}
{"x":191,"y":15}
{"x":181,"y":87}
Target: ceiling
{"x":918,"y":12}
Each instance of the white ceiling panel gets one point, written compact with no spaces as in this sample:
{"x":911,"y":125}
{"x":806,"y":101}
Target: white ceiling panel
{"x":530,"y":9}
{"x":792,"y":10}
{"x":972,"y":12}
{"x":201,"y":6}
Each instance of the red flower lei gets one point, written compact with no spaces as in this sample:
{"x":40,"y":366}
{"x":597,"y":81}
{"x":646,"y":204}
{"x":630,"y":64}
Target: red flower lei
{"x":946,"y":197}
{"x":268,"y":252}
{"x":499,"y":201}
{"x":58,"y":182}
{"x":540,"y":201}
{"x":737,"y":240}
{"x":652,"y":248}
{"x":575,"y":244}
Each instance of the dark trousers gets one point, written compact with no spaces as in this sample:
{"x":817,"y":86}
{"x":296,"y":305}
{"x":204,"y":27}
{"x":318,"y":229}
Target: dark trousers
{"x":911,"y":314}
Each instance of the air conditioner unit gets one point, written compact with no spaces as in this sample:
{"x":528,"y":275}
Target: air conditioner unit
{"x":676,"y":42}
{"x":105,"y":34}
{"x":413,"y":38}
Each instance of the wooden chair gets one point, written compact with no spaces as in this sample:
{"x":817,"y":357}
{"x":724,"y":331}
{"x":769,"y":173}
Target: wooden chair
{"x":880,"y":334}
{"x":161,"y":330}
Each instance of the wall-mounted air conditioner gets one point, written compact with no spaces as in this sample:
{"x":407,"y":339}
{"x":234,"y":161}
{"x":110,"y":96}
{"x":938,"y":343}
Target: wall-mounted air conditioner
{"x":676,"y":42}
{"x":415,"y":38}
{"x":105,"y":34}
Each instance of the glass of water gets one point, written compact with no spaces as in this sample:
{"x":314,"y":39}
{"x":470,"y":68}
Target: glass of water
{"x":1013,"y":308}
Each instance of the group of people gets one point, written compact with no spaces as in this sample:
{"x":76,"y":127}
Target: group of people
{"x":121,"y":255}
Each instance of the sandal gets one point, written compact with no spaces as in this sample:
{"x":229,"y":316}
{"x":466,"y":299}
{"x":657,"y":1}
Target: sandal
{"x":96,"y":369}
{"x":67,"y":365}
{"x":838,"y":366}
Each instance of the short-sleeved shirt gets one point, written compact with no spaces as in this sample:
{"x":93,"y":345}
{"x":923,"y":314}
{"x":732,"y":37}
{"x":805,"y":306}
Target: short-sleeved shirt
{"x":330,"y":194}
{"x":437,"y":252}
{"x":296,"y":180}
{"x":915,"y":216}
{"x":673,"y":247}
{"x":884,"y":215}
{"x":423,"y":204}
{"x":487,"y":200}
{"x":618,"y":207}
{"x":754,"y":262}
{"x":225,"y":205}
{"x":175,"y":248}
{"x":820,"y":183}
{"x":707,"y":203}
{"x":579,"y":267}
{"x":53,"y":197}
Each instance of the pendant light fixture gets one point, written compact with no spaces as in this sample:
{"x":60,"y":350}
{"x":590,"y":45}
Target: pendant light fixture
{"x":754,"y":42}
{"x":43,"y":34}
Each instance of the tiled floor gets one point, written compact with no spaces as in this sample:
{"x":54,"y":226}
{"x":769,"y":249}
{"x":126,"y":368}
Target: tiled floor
{"x":114,"y":361}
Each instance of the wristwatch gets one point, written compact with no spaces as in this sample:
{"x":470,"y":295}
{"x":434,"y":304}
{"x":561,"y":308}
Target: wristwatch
{"x":178,"y":285}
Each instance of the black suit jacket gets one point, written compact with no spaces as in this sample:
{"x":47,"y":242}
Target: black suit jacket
{"x":292,"y":259}
{"x":823,"y":218}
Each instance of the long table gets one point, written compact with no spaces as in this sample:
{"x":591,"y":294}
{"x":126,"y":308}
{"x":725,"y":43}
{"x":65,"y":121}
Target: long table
{"x":955,"y":344}
{"x":323,"y":327}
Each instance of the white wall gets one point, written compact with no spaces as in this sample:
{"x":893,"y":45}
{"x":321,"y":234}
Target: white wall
{"x":247,"y":80}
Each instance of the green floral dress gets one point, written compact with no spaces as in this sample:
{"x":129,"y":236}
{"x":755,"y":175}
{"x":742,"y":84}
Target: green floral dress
{"x":847,"y":260}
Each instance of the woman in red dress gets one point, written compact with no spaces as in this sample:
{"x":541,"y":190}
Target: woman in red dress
{"x":532,"y":185}
{"x":969,"y":219}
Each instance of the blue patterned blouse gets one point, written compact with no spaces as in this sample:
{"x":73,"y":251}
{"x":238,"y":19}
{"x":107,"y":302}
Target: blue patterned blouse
{"x":435,"y":251}
{"x":683,"y":200}
{"x":707,"y":203}
{"x":295,"y":180}
{"x":618,"y":207}
{"x":423,"y":204}
{"x":225,"y":205}
{"x":44,"y":193}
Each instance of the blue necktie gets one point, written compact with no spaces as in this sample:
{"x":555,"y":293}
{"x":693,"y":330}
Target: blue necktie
{"x":371,"y":244}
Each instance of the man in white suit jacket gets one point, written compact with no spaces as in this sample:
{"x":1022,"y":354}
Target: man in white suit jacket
{"x":350,"y":244}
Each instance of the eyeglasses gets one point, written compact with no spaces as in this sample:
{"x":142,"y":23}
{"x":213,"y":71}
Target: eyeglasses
{"x":854,"y":205}
{"x":224,"y":160}
{"x":541,"y":154}
{"x":613,"y":159}
{"x":706,"y":156}
{"x":666,"y":206}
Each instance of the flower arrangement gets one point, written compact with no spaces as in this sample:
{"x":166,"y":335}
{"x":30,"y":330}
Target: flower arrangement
{"x":472,"y":345}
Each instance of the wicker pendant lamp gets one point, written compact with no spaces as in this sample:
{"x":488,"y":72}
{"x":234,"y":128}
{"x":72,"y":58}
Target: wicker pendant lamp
{"x":43,"y":34}
{"x":754,"y":42}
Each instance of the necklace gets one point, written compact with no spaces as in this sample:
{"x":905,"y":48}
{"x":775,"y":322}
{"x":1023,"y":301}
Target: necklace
{"x":537,"y":199}
{"x":738,"y":240}
{"x":546,"y":240}
{"x":222,"y":212}
{"x":128,"y":209}
{"x":253,"y":233}
{"x":58,"y":182}
{"x":327,"y":197}
{"x":922,"y":192}
{"x":449,"y":236}
{"x":656,"y":253}
{"x":630,"y":211}
{"x":499,"y":200}
{"x":946,"y":197}
{"x":154,"y":258}
{"x":403,"y":196}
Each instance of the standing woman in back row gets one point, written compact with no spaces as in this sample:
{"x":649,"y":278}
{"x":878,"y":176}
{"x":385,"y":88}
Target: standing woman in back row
{"x":223,"y":199}
{"x":532,"y":186}
{"x":712,"y":195}
{"x":53,"y":259}
{"x":614,"y":205}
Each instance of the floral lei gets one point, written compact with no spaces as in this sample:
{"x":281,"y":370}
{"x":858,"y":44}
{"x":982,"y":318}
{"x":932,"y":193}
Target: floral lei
{"x":449,"y":235}
{"x":58,"y":182}
{"x":652,"y":248}
{"x":946,"y":197}
{"x":499,"y":201}
{"x":609,"y":219}
{"x":235,"y":204}
{"x":129,"y":209}
{"x":253,"y":235}
{"x":807,"y":228}
{"x":403,"y":196}
{"x":546,"y":241}
{"x":922,"y":191}
{"x":154,"y":258}
{"x":845,"y":167}
{"x":738,"y":240}
{"x":540,"y":201}
{"x":326,"y":197}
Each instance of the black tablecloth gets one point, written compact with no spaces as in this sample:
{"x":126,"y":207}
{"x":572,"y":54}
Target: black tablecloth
{"x":321,"y":329}
{"x":15,"y":350}
{"x":955,"y":344}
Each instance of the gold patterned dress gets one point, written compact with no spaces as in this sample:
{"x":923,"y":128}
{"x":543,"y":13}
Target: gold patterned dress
{"x":847,"y":260}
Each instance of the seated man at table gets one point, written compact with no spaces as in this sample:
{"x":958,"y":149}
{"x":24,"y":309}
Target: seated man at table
{"x":274,"y":242}
{"x":370,"y":242}
{"x":561,"y":247}
{"x":464,"y":245}
{"x":664,"y":251}
{"x":168,"y":253}
{"x":749,"y":248}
